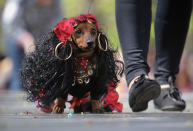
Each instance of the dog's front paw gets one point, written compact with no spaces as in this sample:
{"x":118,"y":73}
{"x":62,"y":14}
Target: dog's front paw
{"x":59,"y":106}
{"x":58,"y":109}
{"x":96,"y":106}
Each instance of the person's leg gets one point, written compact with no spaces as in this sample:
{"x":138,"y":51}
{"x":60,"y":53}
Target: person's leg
{"x":16,"y":54}
{"x":133,"y":19}
{"x":133,"y":23}
{"x":171,"y":26}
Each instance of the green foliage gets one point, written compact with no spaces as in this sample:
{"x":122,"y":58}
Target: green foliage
{"x":105,"y":12}
{"x":2,"y":2}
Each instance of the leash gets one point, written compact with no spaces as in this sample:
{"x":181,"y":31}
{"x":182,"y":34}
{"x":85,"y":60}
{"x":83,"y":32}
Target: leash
{"x":90,"y":5}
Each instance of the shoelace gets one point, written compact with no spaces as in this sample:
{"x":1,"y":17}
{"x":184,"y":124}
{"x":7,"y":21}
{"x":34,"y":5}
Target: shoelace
{"x":173,"y":91}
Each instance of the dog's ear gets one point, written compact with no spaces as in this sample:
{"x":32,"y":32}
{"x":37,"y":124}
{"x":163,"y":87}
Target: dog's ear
{"x":102,"y":42}
{"x":63,"y":51}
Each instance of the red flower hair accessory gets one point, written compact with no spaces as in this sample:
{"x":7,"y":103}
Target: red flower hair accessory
{"x":64,"y":29}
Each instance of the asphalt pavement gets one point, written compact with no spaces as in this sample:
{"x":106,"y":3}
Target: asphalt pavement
{"x":16,"y":114}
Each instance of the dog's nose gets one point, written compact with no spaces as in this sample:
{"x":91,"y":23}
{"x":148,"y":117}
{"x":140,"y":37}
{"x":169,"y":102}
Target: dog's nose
{"x":89,"y":42}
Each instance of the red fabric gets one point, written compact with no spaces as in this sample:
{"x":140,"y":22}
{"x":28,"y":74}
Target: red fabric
{"x":43,"y":107}
{"x":64,"y":29}
{"x":77,"y":101}
{"x":82,"y":61}
{"x":111,"y":99}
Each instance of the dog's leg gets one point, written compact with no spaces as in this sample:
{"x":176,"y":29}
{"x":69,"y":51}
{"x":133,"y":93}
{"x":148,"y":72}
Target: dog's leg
{"x":96,"y":106}
{"x":59,"y":105}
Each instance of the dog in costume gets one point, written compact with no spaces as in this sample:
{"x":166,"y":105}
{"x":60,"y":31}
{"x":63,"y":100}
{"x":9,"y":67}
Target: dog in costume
{"x":75,"y":59}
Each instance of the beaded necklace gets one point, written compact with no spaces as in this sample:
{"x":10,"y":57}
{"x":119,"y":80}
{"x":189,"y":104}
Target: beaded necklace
{"x":83,"y":70}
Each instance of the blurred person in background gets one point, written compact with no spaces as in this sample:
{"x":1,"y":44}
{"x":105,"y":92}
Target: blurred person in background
{"x":24,"y":22}
{"x":185,"y":77}
{"x":171,"y":25}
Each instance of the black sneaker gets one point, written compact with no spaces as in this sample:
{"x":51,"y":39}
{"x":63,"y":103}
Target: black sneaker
{"x":170,"y":98}
{"x":142,"y":91}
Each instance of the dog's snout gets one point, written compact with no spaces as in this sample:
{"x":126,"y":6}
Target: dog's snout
{"x":89,"y":42}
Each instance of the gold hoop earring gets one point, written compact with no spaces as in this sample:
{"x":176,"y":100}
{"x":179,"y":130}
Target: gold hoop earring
{"x":100,"y":47}
{"x":56,"y":52}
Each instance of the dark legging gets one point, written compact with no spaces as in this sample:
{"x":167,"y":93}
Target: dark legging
{"x":171,"y":25}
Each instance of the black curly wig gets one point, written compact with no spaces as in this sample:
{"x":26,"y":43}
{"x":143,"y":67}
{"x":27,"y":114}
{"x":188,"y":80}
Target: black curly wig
{"x":45,"y":77}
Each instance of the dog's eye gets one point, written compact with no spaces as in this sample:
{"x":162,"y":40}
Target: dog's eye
{"x":78,"y":32}
{"x":93,"y":31}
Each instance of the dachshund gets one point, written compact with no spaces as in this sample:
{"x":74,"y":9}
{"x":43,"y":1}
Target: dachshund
{"x":74,"y":59}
